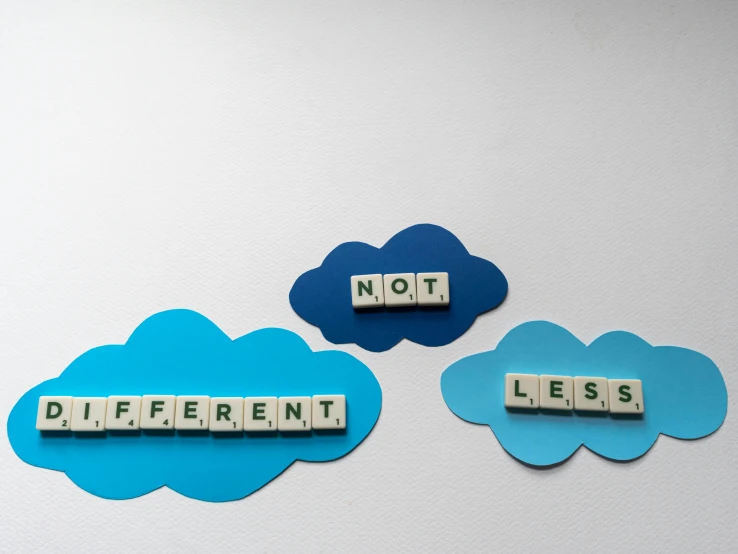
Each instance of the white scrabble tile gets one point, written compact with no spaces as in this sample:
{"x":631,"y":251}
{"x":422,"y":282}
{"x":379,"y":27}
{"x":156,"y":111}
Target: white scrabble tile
{"x":626,"y":396}
{"x":433,"y":289}
{"x":399,"y":290}
{"x":88,"y":413}
{"x":367,"y":291}
{"x":591,"y":394}
{"x":54,"y":413}
{"x":226,"y":414}
{"x":557,"y":392}
{"x":329,"y":411}
{"x":192,"y":413}
{"x":295,"y":413}
{"x":260,"y":413}
{"x":521,"y":391}
{"x":123,"y":413}
{"x":157,"y":411}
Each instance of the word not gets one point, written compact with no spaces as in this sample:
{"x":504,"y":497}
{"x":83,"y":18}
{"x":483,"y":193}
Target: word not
{"x":160,"y":412}
{"x":556,"y":392}
{"x":399,"y":289}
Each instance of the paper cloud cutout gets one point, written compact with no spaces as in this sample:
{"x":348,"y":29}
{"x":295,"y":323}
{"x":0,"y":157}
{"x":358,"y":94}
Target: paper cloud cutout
{"x":684,"y":393}
{"x":322,"y":296}
{"x":182,"y":352}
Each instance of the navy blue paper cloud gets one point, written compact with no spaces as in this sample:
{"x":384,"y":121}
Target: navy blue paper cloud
{"x":322,"y":296}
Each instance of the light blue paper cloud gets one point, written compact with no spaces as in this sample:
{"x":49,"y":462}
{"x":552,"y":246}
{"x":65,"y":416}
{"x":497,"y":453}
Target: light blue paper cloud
{"x":182,"y":352}
{"x":684,"y":393}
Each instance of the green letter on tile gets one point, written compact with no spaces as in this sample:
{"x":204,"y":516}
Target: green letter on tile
{"x":430,"y":284}
{"x":190,"y":410}
{"x":290,"y":408}
{"x":394,"y":288}
{"x":155,"y":407}
{"x":325,"y":404}
{"x":258,"y":410}
{"x":120,"y":408}
{"x":56,"y":405}
{"x":556,"y":389}
{"x":367,"y":289}
{"x":591,"y":389}
{"x":223,"y":410}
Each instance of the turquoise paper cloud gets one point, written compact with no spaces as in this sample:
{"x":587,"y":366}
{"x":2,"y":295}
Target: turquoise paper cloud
{"x":182,"y":352}
{"x":684,"y":393}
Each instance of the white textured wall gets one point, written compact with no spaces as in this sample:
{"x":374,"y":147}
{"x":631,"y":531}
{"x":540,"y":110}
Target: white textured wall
{"x":203,"y":154}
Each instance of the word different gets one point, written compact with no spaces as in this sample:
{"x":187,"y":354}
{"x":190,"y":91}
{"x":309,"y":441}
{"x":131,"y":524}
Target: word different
{"x":399,"y":289}
{"x":231,"y":414}
{"x":556,"y":392}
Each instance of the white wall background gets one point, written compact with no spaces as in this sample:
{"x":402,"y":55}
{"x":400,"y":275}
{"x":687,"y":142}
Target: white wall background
{"x":156,"y":155}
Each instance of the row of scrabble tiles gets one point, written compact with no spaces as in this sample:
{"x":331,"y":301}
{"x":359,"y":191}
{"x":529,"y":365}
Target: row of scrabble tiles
{"x":161,"y":412}
{"x":396,"y":290}
{"x":557,"y":392}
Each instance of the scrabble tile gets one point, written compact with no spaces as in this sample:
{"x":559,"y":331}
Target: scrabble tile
{"x":432,"y":289}
{"x":295,"y":413}
{"x":260,"y":413}
{"x":521,"y":391}
{"x":626,"y":396}
{"x":54,"y":413}
{"x":367,"y":291}
{"x":399,"y":290}
{"x":591,"y":394}
{"x":123,"y":413}
{"x":157,"y":411}
{"x":226,"y":414}
{"x":557,"y":392}
{"x":329,"y":411}
{"x":192,"y":413}
{"x":88,"y":413}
